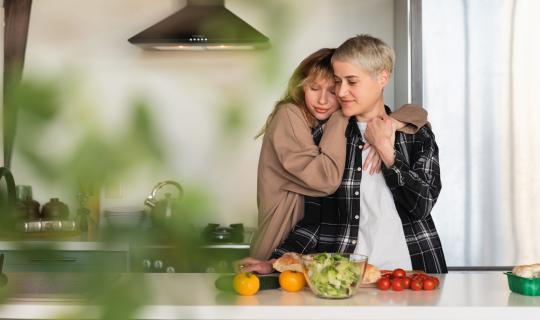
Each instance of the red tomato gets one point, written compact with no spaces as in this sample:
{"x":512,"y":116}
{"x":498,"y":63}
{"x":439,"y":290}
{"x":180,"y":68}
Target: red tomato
{"x":398,"y":273}
{"x":397,"y":285}
{"x":406,"y":282}
{"x":429,"y":284}
{"x":436,"y":281}
{"x":416,"y":285}
{"x":384,"y":283}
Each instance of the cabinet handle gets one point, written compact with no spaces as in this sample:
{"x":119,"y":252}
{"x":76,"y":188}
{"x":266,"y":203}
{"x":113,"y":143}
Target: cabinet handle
{"x":53,"y":260}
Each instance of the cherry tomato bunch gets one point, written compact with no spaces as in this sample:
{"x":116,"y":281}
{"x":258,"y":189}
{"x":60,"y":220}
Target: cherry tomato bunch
{"x":398,"y":280}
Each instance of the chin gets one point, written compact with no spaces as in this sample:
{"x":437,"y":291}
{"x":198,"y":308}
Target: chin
{"x":323,"y":118}
{"x":348,"y":112}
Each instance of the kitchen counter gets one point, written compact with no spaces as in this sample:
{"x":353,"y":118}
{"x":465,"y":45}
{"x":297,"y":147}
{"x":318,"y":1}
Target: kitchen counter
{"x":68,"y":245}
{"x":466,"y":295}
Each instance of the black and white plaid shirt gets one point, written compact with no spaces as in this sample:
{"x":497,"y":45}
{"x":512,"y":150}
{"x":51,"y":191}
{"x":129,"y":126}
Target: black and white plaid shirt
{"x":330,"y":224}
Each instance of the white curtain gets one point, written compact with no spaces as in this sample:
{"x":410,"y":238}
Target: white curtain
{"x":481,"y":89}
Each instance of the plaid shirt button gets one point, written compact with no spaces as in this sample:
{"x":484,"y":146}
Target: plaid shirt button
{"x":356,"y":193}
{"x":360,"y":147}
{"x":356,"y":217}
{"x":359,"y":169}
{"x":353,"y":242}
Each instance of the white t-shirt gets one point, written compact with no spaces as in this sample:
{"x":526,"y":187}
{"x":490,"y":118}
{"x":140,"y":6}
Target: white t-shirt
{"x":380,"y":232}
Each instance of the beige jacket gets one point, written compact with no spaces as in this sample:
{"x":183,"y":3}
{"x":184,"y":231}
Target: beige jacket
{"x":291,"y":165}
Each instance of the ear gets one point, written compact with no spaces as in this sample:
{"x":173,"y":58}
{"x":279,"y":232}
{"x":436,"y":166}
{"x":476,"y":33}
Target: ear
{"x":383,"y":78}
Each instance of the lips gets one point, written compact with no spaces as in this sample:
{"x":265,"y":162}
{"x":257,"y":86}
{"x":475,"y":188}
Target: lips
{"x":321,"y":110}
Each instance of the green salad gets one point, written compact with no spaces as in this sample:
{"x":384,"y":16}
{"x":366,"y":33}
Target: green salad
{"x":333,"y":275}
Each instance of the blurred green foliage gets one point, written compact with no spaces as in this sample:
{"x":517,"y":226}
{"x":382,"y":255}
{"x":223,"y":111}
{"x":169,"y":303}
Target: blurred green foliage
{"x":95,"y":157}
{"x":92,"y":159}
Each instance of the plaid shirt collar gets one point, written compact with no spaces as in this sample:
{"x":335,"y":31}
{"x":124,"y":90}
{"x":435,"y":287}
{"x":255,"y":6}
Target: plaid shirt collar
{"x":352,"y":128}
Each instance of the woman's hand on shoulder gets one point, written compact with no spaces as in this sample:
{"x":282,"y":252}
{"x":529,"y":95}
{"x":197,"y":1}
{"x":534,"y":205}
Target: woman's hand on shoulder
{"x":250,"y":264}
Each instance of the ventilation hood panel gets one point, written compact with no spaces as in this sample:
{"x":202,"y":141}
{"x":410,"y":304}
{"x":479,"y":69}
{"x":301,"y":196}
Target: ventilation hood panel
{"x":201,"y":25}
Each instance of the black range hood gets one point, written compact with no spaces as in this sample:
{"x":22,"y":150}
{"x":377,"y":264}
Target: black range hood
{"x":201,"y":25}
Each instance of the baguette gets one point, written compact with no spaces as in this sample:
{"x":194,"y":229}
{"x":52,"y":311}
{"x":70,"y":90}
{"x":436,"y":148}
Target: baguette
{"x":371,"y":275}
{"x":289,"y":261}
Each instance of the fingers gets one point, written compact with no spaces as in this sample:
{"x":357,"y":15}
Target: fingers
{"x":262,"y":267}
{"x":251,"y":268}
{"x":373,"y":161}
{"x":368,"y":161}
{"x":242,"y":264}
{"x":239,"y":266}
{"x":250,"y":264}
{"x":377,"y":164}
{"x":373,"y":168}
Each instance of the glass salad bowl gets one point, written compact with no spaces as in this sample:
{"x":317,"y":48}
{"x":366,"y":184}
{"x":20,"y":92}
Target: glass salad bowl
{"x":334,"y":275}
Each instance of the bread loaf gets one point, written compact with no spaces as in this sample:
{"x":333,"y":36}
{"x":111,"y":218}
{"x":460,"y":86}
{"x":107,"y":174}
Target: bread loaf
{"x":371,"y":275}
{"x":289,"y":261}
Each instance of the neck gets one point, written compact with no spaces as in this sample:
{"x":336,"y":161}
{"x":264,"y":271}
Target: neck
{"x":376,"y":111}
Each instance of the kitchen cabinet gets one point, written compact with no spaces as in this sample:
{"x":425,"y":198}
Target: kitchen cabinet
{"x":64,"y":256}
{"x":466,"y":295}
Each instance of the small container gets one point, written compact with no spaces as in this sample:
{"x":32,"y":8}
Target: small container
{"x":124,"y":217}
{"x":55,"y":210}
{"x":524,"y":286}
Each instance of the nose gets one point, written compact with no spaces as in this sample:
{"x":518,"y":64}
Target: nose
{"x":323,"y":99}
{"x":341,"y":90}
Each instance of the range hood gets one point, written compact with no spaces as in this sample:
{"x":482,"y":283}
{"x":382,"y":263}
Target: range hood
{"x":201,"y":25}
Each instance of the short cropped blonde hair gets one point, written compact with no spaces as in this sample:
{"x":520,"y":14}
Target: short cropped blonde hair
{"x":371,"y":53}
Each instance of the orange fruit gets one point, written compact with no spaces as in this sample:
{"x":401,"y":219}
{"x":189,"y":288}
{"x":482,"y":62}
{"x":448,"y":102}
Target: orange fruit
{"x":246,"y":284}
{"x":292,"y":281}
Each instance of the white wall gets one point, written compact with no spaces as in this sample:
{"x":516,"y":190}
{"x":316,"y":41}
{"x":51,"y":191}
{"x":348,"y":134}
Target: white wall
{"x":188,"y":89}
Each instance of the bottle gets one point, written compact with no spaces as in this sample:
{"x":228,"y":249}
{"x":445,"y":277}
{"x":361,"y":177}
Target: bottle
{"x":26,"y":207}
{"x":88,"y":212}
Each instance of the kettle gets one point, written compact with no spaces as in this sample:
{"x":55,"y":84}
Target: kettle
{"x":7,"y":201}
{"x":164,"y":208}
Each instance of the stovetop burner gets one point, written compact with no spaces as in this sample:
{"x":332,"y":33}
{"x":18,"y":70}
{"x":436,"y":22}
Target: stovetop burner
{"x":219,"y":247}
{"x":213,"y":233}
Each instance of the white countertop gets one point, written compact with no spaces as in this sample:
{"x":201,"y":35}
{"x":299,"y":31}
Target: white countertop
{"x":462,"y":295}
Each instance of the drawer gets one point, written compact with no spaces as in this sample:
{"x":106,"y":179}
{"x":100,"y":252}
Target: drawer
{"x":65,"y":261}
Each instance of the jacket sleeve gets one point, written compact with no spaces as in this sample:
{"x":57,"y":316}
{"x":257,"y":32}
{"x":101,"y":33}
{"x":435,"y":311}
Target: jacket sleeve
{"x":413,"y":115}
{"x":304,"y":238}
{"x":310,"y":169}
{"x":416,"y":184}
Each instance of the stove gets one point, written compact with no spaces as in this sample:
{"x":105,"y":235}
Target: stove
{"x":220,"y":246}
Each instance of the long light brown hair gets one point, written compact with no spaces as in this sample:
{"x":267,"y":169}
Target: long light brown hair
{"x":316,"y":66}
